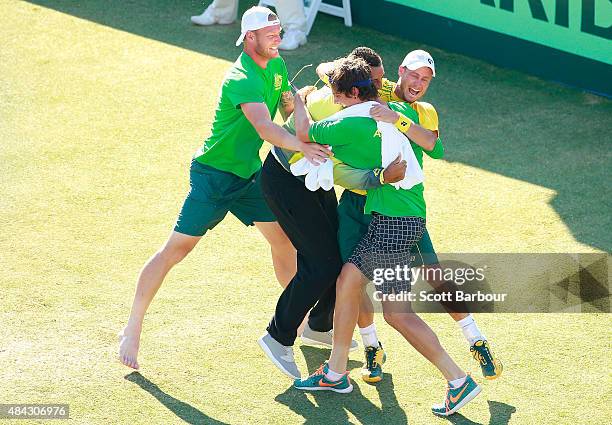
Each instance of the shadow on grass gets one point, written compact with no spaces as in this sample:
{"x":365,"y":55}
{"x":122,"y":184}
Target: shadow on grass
{"x":500,"y":415}
{"x":185,"y":411}
{"x":329,"y":407}
{"x":498,"y":120}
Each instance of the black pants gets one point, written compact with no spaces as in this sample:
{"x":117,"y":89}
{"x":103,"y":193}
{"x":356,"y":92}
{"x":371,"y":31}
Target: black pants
{"x":310,"y":220}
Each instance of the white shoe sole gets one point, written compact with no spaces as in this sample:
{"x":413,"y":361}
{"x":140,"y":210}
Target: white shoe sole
{"x":463,"y":402}
{"x":208,"y":23}
{"x":308,"y":341}
{"x":266,"y":350}
{"x":336,"y":390}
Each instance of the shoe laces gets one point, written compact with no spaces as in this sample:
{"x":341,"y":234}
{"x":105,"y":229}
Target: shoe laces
{"x":319,"y":371}
{"x":447,"y":397}
{"x":478,"y":355}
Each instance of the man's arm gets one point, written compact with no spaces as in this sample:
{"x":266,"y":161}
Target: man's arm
{"x":424,"y":138}
{"x":302,"y":120}
{"x":259,"y":116}
{"x":356,"y":178}
{"x":286,"y":105}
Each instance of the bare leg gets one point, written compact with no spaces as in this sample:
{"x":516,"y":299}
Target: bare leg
{"x":458,"y":311}
{"x":150,"y":279}
{"x":366,"y":310}
{"x":284,"y":257}
{"x":348,"y":296}
{"x":400,"y":316}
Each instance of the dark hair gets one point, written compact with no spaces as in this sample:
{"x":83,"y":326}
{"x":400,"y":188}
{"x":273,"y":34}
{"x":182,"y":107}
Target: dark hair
{"x":368,"y":55}
{"x":352,"y":72}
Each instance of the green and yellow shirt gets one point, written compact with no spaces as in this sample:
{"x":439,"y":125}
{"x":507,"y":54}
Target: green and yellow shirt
{"x":320,"y":105}
{"x":428,"y":117}
{"x":356,"y":141}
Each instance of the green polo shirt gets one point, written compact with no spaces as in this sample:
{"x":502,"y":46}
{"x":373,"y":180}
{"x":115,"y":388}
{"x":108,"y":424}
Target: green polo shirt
{"x":356,"y":141}
{"x":233,"y":144}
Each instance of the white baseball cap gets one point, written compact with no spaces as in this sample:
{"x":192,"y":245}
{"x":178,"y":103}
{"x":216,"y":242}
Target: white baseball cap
{"x":418,"y":59}
{"x":256,"y":18}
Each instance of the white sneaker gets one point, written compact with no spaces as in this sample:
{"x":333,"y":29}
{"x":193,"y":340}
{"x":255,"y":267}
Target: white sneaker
{"x":292,"y":40}
{"x":208,"y":18}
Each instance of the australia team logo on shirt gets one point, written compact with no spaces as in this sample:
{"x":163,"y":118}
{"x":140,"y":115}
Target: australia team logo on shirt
{"x":278,"y":81}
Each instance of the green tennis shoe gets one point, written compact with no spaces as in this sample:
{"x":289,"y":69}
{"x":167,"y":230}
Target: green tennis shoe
{"x":491,"y":367}
{"x":372,"y":369}
{"x":458,"y":397}
{"x":319,"y":382}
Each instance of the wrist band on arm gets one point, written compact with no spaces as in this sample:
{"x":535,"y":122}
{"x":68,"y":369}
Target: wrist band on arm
{"x":403,"y":123}
{"x":381,"y":176}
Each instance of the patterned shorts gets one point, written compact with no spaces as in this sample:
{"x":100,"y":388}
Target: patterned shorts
{"x":387,"y":246}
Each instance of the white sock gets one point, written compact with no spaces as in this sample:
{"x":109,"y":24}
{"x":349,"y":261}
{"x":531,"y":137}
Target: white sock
{"x":470,"y":329}
{"x":333,"y":376}
{"x":368,"y":336}
{"x":456,"y":383}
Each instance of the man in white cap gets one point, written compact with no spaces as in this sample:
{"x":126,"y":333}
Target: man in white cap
{"x":224,"y":175}
{"x":415,"y":74}
{"x":291,"y":13}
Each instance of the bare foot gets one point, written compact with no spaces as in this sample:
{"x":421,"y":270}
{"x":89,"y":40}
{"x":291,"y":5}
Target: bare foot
{"x":129,"y":343}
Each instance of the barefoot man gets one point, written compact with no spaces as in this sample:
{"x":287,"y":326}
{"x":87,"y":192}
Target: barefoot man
{"x":225,"y":171}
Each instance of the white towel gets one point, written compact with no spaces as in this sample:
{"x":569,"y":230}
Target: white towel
{"x":317,"y":176}
{"x":394,"y":143}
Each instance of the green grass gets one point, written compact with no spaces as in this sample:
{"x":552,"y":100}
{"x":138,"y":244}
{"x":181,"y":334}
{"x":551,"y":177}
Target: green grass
{"x":102,"y":105}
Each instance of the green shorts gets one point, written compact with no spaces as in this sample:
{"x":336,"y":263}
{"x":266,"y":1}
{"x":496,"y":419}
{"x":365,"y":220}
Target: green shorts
{"x":353,"y":225}
{"x":213,"y":193}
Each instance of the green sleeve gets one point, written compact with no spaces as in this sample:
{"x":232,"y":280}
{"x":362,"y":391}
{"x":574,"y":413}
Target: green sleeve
{"x":243,"y":91}
{"x":327,"y":132}
{"x":437,"y":152}
{"x":356,"y":178}
{"x":405,"y":110}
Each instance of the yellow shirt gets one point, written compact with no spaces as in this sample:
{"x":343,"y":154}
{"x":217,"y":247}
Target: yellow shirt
{"x":320,"y":104}
{"x":387,"y":91}
{"x":428,"y":117}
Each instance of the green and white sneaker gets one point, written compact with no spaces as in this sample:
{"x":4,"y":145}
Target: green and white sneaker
{"x":372,"y":369}
{"x":318,"y":382}
{"x":491,"y":367}
{"x":456,"y":398}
